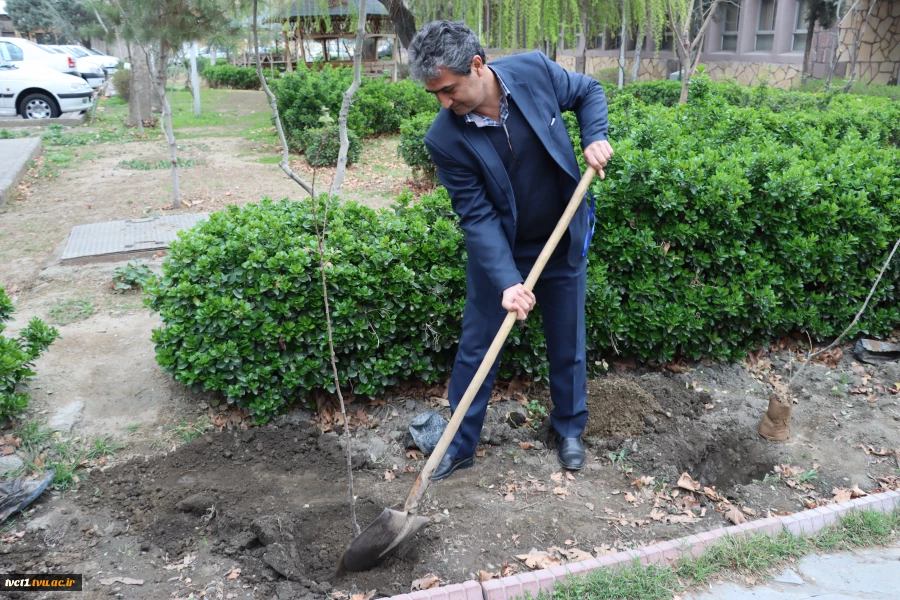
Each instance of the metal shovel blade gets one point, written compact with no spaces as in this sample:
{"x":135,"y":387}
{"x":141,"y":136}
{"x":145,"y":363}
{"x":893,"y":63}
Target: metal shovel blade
{"x":380,"y":539}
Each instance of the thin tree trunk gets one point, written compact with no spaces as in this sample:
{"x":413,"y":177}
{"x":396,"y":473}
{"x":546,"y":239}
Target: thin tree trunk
{"x":212,"y":55}
{"x":348,"y":99}
{"x":807,"y":51}
{"x":622,"y":44}
{"x":857,"y":36}
{"x":160,"y":86}
{"x":638,"y":49}
{"x":836,"y":40}
{"x":195,"y":80}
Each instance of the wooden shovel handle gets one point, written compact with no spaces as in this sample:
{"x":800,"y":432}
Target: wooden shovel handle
{"x":421,"y":484}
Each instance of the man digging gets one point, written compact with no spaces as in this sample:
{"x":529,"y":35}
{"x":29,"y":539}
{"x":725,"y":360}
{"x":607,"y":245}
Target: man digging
{"x":503,"y":153}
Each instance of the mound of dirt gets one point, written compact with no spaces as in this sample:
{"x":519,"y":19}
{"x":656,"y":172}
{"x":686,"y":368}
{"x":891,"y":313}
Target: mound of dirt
{"x":617,"y":407}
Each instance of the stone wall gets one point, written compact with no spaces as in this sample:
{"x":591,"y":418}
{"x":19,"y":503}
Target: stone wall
{"x":747,"y":73}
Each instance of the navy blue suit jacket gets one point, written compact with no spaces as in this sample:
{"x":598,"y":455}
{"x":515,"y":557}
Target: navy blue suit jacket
{"x":476,"y":180}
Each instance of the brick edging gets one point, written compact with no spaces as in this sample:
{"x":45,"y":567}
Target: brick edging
{"x":508,"y":588}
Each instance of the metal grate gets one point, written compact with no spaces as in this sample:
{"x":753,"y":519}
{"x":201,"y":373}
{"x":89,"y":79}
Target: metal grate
{"x":126,"y":237}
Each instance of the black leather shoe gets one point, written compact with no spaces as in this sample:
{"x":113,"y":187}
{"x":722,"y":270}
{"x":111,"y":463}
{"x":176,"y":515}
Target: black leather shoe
{"x":570,"y":453}
{"x":449,"y":464}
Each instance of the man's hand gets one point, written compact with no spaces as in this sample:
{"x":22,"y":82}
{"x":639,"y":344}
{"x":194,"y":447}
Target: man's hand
{"x":517,"y":298}
{"x":597,"y":155}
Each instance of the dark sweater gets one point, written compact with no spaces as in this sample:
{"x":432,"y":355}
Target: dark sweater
{"x":535,"y":178}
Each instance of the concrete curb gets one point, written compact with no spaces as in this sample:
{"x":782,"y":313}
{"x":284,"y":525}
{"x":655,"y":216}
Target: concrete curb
{"x":664,"y":553}
{"x":15,"y":155}
{"x":70,"y":119}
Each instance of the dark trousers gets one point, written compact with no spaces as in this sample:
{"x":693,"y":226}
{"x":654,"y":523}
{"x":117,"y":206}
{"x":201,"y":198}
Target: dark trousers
{"x":560,"y":293}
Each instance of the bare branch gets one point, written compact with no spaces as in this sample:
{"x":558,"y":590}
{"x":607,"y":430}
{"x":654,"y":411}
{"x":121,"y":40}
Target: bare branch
{"x":285,"y":157}
{"x":855,"y":319}
{"x":348,"y":99}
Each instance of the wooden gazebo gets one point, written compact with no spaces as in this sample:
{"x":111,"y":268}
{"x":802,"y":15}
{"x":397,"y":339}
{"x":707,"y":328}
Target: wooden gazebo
{"x":324,"y":32}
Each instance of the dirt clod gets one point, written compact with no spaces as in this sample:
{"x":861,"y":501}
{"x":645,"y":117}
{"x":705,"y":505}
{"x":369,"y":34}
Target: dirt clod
{"x":616,"y":407}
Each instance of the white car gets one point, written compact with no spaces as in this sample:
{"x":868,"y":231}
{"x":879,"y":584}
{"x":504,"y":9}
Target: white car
{"x":109,"y":63}
{"x":37,"y":92}
{"x":22,"y":52}
{"x":87,"y":69}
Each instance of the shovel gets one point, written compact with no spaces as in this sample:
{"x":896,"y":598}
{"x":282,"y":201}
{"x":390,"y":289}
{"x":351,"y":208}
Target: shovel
{"x":384,"y":535}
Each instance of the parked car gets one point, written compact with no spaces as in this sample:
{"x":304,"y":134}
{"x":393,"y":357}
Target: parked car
{"x":103,"y":62}
{"x":87,"y":69}
{"x":110,"y":63}
{"x":37,"y":92}
{"x":22,"y":52}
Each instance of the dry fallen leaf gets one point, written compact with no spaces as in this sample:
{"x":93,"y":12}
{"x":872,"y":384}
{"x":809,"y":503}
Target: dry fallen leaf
{"x":589,"y":505}
{"x":509,"y":497}
{"x":480,"y":453}
{"x":425,"y":583}
{"x":561,"y":491}
{"x":856,"y":492}
{"x":842,"y":494}
{"x":485,"y":576}
{"x":557,"y":477}
{"x":735,"y":516}
{"x":414,"y":454}
{"x":526,"y":445}
{"x":569,"y":476}
{"x":540,"y":560}
{"x":367,"y":596}
{"x":629,"y":497}
{"x":657,"y":515}
{"x":389,"y":476}
{"x":576,"y":555}
{"x":687,"y":482}
{"x":233,"y":573}
{"x":603,"y":550}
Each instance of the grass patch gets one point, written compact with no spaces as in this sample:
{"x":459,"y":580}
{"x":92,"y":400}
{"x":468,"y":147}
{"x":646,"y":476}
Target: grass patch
{"x":138,"y":164}
{"x":270,"y":160}
{"x":46,"y":449}
{"x":69,"y":311}
{"x":754,"y":555}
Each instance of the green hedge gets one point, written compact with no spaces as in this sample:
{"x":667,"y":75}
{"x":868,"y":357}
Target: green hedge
{"x":412,"y":145}
{"x":17,"y":356}
{"x":230,"y":76}
{"x":378,"y":106}
{"x":323,"y":145}
{"x":766,"y":224}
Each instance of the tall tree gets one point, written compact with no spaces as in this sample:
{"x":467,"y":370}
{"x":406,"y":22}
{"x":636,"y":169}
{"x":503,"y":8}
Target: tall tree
{"x":823,"y":13}
{"x":402,"y":19}
{"x":62,"y":17}
{"x":160,"y":26}
{"x":689,"y":20}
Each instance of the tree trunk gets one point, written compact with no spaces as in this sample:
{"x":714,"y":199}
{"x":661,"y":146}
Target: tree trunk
{"x":195,"y":80}
{"x":622,"y":44}
{"x":287,"y":54}
{"x":158,"y":75}
{"x":159,"y":85}
{"x":212,"y":55}
{"x":807,"y":68}
{"x":348,"y":99}
{"x":836,"y":40}
{"x":580,"y":54}
{"x":638,"y":49}
{"x":857,"y":36}
{"x":403,"y":20}
{"x":140,"y":97}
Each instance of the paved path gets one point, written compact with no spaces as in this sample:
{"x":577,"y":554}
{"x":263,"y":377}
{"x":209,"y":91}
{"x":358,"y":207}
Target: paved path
{"x":14,"y":157}
{"x":872,"y":574}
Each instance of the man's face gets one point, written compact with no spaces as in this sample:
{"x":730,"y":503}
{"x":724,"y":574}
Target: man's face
{"x":460,"y":93}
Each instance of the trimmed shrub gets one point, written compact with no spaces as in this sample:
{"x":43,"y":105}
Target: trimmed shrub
{"x":769,"y":223}
{"x":378,"y":106}
{"x":122,"y":83}
{"x":230,"y":76}
{"x":241,"y":299}
{"x":17,"y":356}
{"x":412,"y":145}
{"x":323,"y":145}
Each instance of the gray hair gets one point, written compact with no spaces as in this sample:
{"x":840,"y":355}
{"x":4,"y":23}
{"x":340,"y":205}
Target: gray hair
{"x":443,"y":43}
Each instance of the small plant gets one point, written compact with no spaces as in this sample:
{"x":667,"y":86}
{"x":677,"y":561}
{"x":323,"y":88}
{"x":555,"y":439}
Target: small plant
{"x":188,"y":432}
{"x":810,"y":475}
{"x":617,"y":459}
{"x":138,"y":164}
{"x":17,"y":356}
{"x":770,"y":478}
{"x":134,"y":275}
{"x":69,"y":311}
{"x":845,"y":379}
{"x":105,"y":446}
